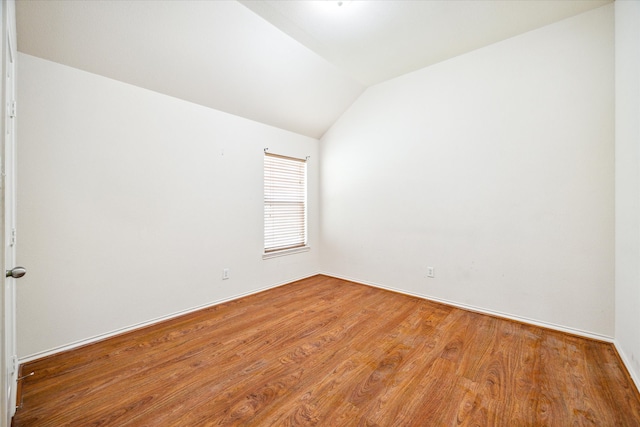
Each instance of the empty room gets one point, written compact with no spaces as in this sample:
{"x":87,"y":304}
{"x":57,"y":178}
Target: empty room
{"x":321,"y":213}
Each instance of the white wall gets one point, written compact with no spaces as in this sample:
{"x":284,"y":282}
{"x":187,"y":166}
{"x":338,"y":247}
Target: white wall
{"x":131,"y":203}
{"x":496,"y":168}
{"x":627,"y":15}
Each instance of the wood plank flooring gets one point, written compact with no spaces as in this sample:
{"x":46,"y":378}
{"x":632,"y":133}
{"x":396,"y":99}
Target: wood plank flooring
{"x":326,"y":352}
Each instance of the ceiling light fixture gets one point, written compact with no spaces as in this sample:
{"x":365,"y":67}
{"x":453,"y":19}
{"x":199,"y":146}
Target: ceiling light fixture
{"x":332,"y":6}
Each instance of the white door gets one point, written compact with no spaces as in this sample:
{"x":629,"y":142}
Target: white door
{"x":9,"y":369}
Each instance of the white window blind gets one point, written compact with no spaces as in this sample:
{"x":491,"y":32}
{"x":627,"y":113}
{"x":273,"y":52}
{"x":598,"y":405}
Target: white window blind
{"x":285,"y":197}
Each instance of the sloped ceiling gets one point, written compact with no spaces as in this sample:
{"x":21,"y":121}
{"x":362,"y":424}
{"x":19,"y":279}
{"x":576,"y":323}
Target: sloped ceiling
{"x":296,"y":65}
{"x":373,"y":41}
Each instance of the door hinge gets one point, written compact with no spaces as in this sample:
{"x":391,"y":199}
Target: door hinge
{"x":14,"y":364}
{"x":13,"y":238}
{"x":12,"y":110}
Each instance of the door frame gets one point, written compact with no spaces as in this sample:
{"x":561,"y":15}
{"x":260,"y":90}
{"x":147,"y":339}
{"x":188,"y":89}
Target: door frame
{"x":8,"y":357}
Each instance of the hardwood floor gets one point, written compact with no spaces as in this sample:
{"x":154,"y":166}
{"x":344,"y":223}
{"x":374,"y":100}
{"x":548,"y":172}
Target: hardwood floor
{"x":327,"y":352}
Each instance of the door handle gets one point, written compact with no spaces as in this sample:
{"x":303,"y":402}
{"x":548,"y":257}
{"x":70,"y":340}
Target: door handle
{"x":16,"y":272}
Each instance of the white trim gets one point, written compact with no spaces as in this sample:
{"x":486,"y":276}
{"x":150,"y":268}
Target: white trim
{"x":548,"y":325}
{"x":560,"y":328}
{"x":627,"y":363}
{"x":275,"y":254}
{"x":140,"y":325}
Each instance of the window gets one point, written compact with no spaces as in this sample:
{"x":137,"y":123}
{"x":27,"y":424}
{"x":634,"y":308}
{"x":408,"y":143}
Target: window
{"x":285,"y":204}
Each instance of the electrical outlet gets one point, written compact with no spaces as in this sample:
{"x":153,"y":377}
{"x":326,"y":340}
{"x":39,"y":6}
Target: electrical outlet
{"x":225,"y":273}
{"x":431,"y":272}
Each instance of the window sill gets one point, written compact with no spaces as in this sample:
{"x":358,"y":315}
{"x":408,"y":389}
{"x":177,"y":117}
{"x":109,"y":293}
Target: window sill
{"x":284,"y":252}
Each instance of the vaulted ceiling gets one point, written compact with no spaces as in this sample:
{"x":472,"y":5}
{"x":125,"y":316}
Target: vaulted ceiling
{"x":296,"y":65}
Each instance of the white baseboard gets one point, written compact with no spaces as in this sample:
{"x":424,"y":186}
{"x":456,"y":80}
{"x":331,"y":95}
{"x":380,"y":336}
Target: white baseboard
{"x":480,"y":310}
{"x":627,"y":363}
{"x":113,"y":333}
{"x":548,"y":325}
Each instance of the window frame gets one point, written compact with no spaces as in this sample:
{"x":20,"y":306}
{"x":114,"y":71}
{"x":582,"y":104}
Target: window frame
{"x":281,"y":194}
